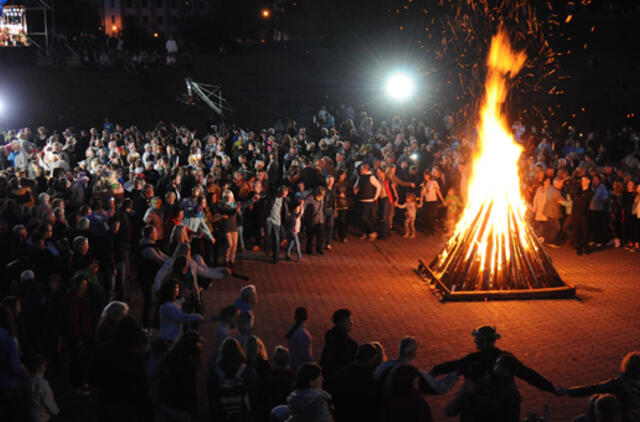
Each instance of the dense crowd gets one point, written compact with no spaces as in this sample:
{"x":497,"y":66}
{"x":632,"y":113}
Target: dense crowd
{"x":91,"y":218}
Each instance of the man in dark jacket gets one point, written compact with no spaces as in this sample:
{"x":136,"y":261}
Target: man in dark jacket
{"x":501,"y":367}
{"x":339,"y":349}
{"x":355,"y":390}
{"x":581,"y":196}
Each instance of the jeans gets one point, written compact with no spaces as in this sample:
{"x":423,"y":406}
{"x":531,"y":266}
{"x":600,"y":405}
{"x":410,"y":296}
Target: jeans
{"x":368,"y":217}
{"x":241,"y":237}
{"x":329,"y":225}
{"x":294,"y":238}
{"x":272,"y":232}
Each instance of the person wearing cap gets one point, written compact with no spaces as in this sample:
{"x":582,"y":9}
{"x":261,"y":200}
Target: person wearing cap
{"x":501,"y":367}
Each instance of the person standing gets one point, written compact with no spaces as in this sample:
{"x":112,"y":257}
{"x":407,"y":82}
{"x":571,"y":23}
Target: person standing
{"x":502,"y":367}
{"x":367,"y":190}
{"x":385,"y":204}
{"x":581,"y":198}
{"x":152,"y":260}
{"x":277,"y":210}
{"x":598,"y":212}
{"x":553,"y":211}
{"x":342,"y":194}
{"x":339,"y":348}
{"x":314,"y":220}
{"x":228,"y":226}
{"x":300,"y":344}
{"x":429,"y":195}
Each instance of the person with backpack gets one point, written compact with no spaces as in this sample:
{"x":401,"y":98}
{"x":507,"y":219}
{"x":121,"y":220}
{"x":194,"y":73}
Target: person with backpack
{"x":231,"y":385}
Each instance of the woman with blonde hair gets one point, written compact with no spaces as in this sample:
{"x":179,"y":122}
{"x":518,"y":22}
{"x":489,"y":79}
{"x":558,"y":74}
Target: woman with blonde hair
{"x":229,"y":226}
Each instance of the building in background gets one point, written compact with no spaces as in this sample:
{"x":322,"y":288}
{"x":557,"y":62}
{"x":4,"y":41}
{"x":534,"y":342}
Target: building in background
{"x":156,"y":16}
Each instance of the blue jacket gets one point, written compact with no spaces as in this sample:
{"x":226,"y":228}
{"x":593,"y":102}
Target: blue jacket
{"x":12,"y":373}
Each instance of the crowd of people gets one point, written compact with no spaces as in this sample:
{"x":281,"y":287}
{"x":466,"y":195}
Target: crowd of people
{"x":91,"y":218}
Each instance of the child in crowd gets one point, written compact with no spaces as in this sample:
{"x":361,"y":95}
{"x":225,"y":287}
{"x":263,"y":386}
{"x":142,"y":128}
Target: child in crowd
{"x":454,"y":206}
{"x":410,"y":206}
{"x":43,"y":403}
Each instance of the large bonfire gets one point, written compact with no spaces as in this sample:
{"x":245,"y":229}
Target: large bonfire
{"x":493,"y":251}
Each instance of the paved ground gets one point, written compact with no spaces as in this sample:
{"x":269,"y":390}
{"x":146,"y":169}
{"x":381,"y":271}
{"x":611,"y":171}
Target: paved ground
{"x":569,"y":341}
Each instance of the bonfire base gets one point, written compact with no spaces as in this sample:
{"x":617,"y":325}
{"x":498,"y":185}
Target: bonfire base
{"x":444,"y":294}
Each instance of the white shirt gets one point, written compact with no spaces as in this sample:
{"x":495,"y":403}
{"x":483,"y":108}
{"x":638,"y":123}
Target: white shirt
{"x":171,"y":46}
{"x":430,"y":191}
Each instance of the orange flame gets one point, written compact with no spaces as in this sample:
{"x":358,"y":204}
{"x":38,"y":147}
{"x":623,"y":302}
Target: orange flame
{"x":494,"y":190}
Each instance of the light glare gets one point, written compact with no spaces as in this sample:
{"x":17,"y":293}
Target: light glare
{"x":400,"y":86}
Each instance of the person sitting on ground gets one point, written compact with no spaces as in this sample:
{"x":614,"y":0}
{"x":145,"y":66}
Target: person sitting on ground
{"x":626,"y":387}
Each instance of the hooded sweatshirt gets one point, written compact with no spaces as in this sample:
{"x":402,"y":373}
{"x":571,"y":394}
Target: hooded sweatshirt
{"x":309,"y":405}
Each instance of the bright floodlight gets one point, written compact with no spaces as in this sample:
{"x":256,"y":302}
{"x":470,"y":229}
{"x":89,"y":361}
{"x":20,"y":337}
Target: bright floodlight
{"x":400,"y":86}
{"x":1,"y":106}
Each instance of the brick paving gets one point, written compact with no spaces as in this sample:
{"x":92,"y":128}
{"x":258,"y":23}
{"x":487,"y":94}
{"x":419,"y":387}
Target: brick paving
{"x":568,"y":341}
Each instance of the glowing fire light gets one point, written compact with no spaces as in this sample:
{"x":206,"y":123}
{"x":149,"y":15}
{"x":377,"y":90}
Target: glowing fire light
{"x":492,"y":247}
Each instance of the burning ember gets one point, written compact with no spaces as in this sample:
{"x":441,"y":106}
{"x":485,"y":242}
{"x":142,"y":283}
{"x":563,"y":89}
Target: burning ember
{"x":493,"y":252}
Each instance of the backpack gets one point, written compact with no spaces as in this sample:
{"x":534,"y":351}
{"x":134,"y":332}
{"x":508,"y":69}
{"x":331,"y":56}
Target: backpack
{"x":231,"y":395}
